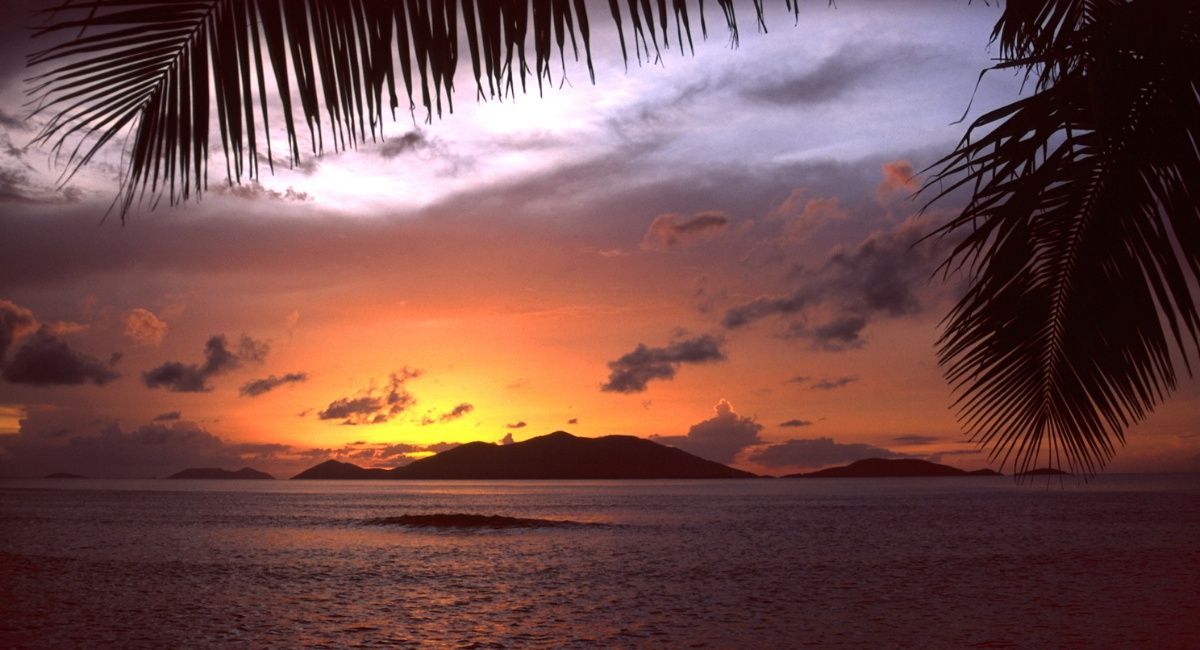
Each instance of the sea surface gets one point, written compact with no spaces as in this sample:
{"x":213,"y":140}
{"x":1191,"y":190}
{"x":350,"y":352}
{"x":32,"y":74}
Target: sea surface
{"x":738,"y":563}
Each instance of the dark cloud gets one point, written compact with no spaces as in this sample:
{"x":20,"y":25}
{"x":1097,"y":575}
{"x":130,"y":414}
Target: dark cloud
{"x":915,"y":440}
{"x":166,"y":417}
{"x":798,"y":379}
{"x":257,"y":387}
{"x":878,"y":278}
{"x":9,"y":121}
{"x":573,"y":421}
{"x":16,"y":186}
{"x":795,"y":423}
{"x":842,"y":333}
{"x":673,"y":229}
{"x":816,"y":452}
{"x":79,"y":443}
{"x":374,"y":406}
{"x":843,"y":71}
{"x":516,"y":425}
{"x":179,"y":377}
{"x":409,"y":142}
{"x":44,"y":359}
{"x":453,"y":414}
{"x":833,"y":383}
{"x":15,"y":321}
{"x":719,"y":438}
{"x":631,"y":372}
{"x":254,"y":191}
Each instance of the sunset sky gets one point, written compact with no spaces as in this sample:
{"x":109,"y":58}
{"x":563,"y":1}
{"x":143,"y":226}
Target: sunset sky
{"x":716,"y":251}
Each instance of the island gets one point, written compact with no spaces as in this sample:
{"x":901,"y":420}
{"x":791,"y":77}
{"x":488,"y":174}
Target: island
{"x":64,"y":475}
{"x":218,"y":473}
{"x":1045,"y":471}
{"x":334,"y":470}
{"x":892,"y":468}
{"x":558,"y":455}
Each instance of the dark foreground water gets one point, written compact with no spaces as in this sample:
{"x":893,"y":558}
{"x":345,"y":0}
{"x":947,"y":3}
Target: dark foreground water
{"x":761,"y":563}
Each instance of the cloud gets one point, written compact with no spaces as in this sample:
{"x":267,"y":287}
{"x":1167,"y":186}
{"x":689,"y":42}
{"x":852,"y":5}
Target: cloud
{"x":80,"y":443}
{"x":673,"y":229}
{"x":842,"y":333}
{"x":15,"y":322}
{"x":516,"y":425}
{"x":9,"y":121}
{"x":816,"y":452}
{"x":453,"y":414}
{"x":16,"y":186}
{"x":257,"y":387}
{"x":844,"y":71}
{"x":409,"y":142}
{"x":631,"y":372}
{"x":373,"y":406}
{"x":573,"y":421}
{"x":798,"y":379}
{"x":179,"y":377}
{"x":804,"y":216}
{"x":254,"y":191}
{"x":719,"y":438}
{"x":915,"y":440}
{"x":44,"y":359}
{"x":795,"y":423}
{"x":144,"y":328}
{"x":833,"y":383}
{"x":880,"y":277}
{"x":166,"y":417}
{"x":898,"y":177}
{"x":507,"y":439}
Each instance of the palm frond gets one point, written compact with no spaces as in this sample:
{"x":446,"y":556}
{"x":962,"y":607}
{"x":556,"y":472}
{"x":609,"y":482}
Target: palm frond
{"x":1082,"y":234}
{"x":161,"y":70}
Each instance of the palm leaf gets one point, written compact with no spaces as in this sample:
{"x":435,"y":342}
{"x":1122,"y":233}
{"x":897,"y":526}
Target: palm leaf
{"x":1082,"y":234}
{"x":160,"y":71}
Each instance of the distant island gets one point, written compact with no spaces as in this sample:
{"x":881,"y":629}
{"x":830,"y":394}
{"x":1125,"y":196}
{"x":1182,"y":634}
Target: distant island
{"x":1044,"y":471}
{"x":557,"y":455}
{"x":892,"y":468}
{"x":218,"y":473}
{"x":64,"y":475}
{"x":334,"y":470}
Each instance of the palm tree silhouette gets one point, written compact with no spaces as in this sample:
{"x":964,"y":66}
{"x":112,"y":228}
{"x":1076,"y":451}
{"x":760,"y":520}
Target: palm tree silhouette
{"x":1082,"y":235}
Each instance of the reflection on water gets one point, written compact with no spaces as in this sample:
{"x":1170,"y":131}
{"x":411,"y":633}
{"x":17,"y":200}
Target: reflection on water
{"x":675,"y":563}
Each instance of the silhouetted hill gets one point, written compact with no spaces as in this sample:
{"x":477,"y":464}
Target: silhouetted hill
{"x":558,"y":455}
{"x":64,"y":475}
{"x":1044,"y":471}
{"x":334,"y":470}
{"x":218,"y":473}
{"x":891,"y":468}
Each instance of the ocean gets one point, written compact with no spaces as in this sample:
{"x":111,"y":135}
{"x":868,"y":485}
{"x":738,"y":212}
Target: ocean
{"x":943,"y":562}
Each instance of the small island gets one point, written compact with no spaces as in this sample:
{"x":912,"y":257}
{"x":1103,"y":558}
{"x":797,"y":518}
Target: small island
{"x":1045,"y":471}
{"x":558,"y":455}
{"x":892,"y":468}
{"x":224,"y":474}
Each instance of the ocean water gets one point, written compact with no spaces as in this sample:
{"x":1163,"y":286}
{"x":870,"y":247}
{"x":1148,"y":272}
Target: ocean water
{"x":755,"y":563}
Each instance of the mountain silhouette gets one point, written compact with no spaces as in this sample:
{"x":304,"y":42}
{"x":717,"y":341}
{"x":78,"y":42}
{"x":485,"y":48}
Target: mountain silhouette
{"x":892,"y":467}
{"x":334,"y":470}
{"x":218,"y":473}
{"x":557,"y":455}
{"x":64,"y":475}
